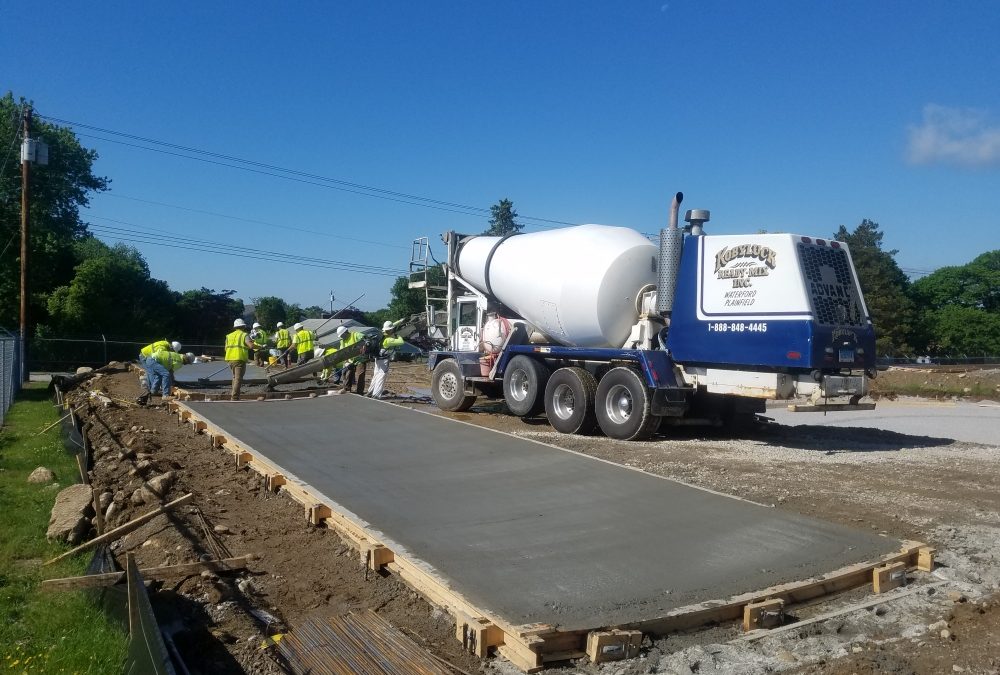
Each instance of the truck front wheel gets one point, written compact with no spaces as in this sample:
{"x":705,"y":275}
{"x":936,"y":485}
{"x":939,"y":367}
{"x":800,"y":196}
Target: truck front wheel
{"x":569,"y":401}
{"x":623,"y":406}
{"x":524,"y":383}
{"x":448,"y":387}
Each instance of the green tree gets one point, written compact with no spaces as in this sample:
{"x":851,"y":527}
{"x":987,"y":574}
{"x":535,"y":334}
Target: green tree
{"x":503,"y":219}
{"x":111,"y":293}
{"x":976,"y":284}
{"x":960,"y":308}
{"x":58,"y":191}
{"x":885,"y":287}
{"x":270,"y":310}
{"x":313,"y":312}
{"x":205,"y":316}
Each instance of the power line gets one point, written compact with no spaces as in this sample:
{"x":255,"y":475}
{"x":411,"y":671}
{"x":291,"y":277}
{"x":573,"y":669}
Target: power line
{"x":325,"y":181}
{"x":163,"y":237}
{"x":13,"y":140}
{"x":253,"y":220}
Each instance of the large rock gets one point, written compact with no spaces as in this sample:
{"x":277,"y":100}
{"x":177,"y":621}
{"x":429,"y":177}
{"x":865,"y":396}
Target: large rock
{"x":70,"y":518}
{"x":83,"y":370}
{"x":41,"y":475}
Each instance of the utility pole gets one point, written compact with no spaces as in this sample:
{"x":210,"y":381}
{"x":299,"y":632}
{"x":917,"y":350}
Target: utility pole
{"x":25,"y":175}
{"x":331,"y":303}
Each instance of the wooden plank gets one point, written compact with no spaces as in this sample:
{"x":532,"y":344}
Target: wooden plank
{"x":888,"y":577}
{"x":149,"y":573}
{"x":123,"y":529}
{"x":613,"y":645}
{"x":830,"y":407}
{"x":98,"y":512}
{"x":760,"y":634}
{"x":925,"y":559}
{"x":764,"y":614}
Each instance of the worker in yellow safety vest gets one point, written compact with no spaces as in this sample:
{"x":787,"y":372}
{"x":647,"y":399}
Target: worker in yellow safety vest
{"x":283,"y":342}
{"x":357,"y":367}
{"x":238,"y":346}
{"x":303,"y":341}
{"x":390,"y":343}
{"x":164,"y":364}
{"x":260,"y":339}
{"x":145,"y":354}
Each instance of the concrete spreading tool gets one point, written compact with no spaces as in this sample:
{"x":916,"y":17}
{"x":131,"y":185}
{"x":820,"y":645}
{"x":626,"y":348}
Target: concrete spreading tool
{"x":208,"y":378}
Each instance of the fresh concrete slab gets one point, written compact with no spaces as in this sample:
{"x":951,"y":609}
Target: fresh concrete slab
{"x":217,"y":373}
{"x":530,"y":532}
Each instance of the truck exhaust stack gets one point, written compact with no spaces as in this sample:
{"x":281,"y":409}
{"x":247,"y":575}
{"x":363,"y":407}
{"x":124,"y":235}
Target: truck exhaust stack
{"x":671,"y":243}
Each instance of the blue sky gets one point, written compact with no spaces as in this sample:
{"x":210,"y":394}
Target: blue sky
{"x":786,"y":116}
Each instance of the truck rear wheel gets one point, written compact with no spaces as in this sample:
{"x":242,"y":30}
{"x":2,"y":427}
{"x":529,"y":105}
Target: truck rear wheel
{"x":448,"y":387}
{"x":524,"y":383}
{"x":623,"y":406}
{"x":569,"y":401}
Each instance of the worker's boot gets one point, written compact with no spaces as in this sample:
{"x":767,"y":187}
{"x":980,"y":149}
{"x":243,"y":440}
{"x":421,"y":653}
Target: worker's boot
{"x":143,"y":398}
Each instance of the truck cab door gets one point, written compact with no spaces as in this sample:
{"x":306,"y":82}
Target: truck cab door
{"x":468,"y":319}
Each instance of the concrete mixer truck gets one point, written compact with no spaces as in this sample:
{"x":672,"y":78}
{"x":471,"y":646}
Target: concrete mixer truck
{"x":596,"y":326}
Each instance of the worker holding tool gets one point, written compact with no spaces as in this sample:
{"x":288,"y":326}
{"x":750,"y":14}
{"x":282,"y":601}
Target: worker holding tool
{"x":356,"y":367}
{"x":283,"y":343}
{"x":238,"y":346}
{"x":163,"y":365}
{"x":303,"y":341}
{"x":390,"y":342}
{"x":259,"y":338}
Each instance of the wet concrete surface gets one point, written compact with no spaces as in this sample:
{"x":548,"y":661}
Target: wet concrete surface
{"x":529,"y":532}
{"x":217,"y":373}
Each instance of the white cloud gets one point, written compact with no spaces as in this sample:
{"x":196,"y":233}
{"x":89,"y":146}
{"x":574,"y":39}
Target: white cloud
{"x":962,"y":136}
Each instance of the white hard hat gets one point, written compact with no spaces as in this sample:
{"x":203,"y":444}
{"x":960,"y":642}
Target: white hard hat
{"x":387,"y":326}
{"x":341,"y":331}
{"x":297,"y":326}
{"x":176,"y":346}
{"x":281,"y":325}
{"x":239,"y":323}
{"x":256,"y":325}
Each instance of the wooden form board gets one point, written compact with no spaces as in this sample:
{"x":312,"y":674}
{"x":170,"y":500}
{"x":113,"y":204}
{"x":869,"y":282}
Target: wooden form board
{"x":531,"y":646}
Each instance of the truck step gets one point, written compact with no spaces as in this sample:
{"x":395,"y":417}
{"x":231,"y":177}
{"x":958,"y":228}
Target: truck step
{"x":831,"y":407}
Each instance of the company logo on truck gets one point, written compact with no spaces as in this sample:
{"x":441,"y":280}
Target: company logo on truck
{"x":752,"y":261}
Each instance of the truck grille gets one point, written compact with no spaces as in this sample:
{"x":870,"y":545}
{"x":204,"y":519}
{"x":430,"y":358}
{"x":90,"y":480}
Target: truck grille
{"x":834,"y":294}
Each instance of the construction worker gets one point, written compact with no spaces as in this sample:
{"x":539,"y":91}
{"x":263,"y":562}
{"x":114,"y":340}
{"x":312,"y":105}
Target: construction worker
{"x":283,"y":343}
{"x":388,"y":345}
{"x":357,"y":366}
{"x":326,"y":372}
{"x":259,"y":338}
{"x":163,"y":364}
{"x":238,"y":346}
{"x":303,"y":341}
{"x":144,"y":356}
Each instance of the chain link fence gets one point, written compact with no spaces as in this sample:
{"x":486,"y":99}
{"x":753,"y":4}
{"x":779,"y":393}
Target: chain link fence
{"x":10,"y":370}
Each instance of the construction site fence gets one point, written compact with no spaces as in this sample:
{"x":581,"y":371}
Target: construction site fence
{"x":11,"y":374}
{"x":69,"y":353}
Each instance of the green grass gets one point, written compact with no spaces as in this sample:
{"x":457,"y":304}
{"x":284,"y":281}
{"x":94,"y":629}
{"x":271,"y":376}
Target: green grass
{"x":43,"y":632}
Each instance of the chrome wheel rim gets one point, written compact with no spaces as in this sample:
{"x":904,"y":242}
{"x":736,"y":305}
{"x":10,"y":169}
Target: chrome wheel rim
{"x":448,"y":386}
{"x":618,"y":404}
{"x":563,"y":402}
{"x":519,"y":385}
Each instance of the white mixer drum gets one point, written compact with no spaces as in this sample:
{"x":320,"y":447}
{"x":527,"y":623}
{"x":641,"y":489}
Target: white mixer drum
{"x":577,"y":285}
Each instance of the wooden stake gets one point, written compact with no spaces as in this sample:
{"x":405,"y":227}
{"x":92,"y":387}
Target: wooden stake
{"x":71,"y":412}
{"x":150,"y":574}
{"x":97,"y":510}
{"x":123,"y":529}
